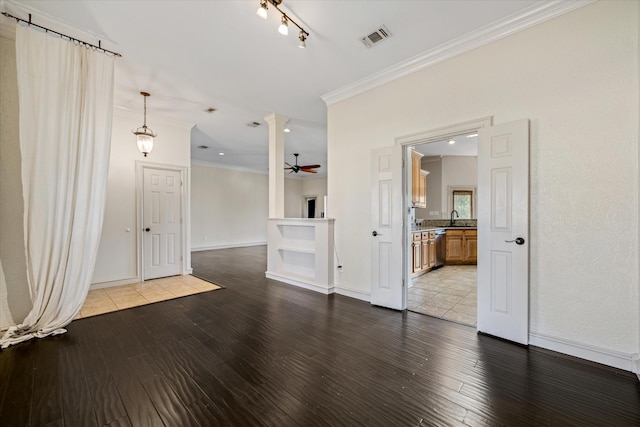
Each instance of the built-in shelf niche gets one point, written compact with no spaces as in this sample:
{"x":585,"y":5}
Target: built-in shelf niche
{"x":300,"y":252}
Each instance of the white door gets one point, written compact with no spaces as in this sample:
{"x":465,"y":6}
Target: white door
{"x":161,"y":226}
{"x":503,"y":231}
{"x":386,"y":228}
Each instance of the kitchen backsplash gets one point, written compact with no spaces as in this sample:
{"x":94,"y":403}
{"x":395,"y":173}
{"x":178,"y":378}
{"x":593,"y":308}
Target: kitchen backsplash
{"x":445,"y":223}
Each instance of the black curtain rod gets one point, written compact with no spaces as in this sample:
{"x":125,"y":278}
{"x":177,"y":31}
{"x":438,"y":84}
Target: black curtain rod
{"x":99,"y":47}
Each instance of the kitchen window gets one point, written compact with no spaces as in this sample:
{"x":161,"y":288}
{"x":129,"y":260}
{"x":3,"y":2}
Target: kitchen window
{"x":463,"y":203}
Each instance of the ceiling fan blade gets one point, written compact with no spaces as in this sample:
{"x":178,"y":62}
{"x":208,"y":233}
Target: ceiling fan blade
{"x":310,"y":166}
{"x":288,"y":164}
{"x":309,"y":170}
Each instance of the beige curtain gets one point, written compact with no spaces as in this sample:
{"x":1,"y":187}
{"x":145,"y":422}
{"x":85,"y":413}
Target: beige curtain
{"x":66,"y":104}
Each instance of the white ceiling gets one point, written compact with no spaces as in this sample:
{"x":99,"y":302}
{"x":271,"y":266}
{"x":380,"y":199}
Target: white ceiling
{"x":191,"y":55}
{"x":463,"y":145}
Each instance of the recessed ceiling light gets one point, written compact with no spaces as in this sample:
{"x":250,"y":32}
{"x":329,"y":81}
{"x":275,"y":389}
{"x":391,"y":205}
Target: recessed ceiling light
{"x":253,"y":124}
{"x":451,"y":142}
{"x":221,"y":154}
{"x":203,"y":147}
{"x":287,"y":130}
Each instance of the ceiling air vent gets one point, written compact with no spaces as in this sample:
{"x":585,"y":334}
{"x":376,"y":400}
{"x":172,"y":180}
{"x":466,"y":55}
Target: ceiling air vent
{"x":376,"y":37}
{"x":253,"y":124}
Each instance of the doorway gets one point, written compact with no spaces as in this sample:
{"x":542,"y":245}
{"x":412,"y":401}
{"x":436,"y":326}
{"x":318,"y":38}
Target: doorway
{"x":503,"y":224}
{"x":311,"y":206}
{"x":446,"y":289}
{"x":161,"y":213}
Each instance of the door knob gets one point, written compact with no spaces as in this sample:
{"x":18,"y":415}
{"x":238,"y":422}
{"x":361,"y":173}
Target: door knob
{"x":374,"y":234}
{"x":147,"y":229}
{"x":518,"y":240}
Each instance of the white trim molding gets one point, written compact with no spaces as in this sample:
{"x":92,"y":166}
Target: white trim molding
{"x":185,"y":213}
{"x":300,"y":283}
{"x":540,"y":12}
{"x":605,"y":356}
{"x":635,"y":359}
{"x":234,"y":245}
{"x":352,"y":293}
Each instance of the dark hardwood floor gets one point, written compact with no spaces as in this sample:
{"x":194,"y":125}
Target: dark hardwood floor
{"x":264,"y":353}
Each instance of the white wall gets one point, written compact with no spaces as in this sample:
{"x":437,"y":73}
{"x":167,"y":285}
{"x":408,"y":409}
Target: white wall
{"x":457,"y":171}
{"x":293,"y":201}
{"x":295,"y":192}
{"x":576,"y":78}
{"x":118,"y":253}
{"x":229,"y":207}
{"x":315,"y":187}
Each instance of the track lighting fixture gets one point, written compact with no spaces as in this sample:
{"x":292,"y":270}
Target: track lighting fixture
{"x":284,"y":22}
{"x":284,"y":26}
{"x":303,"y":40}
{"x":144,"y":135}
{"x":262,"y":10}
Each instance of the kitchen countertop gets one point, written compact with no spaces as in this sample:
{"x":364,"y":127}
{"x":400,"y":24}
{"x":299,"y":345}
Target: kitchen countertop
{"x":420,"y":229}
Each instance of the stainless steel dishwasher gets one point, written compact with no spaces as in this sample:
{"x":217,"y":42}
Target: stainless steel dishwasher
{"x":441,"y":247}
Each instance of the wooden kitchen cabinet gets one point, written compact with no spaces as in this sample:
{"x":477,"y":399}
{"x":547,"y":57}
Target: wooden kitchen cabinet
{"x":432,"y":251}
{"x":471,"y":246}
{"x":425,"y":254}
{"x":422,"y":189}
{"x":418,"y":181}
{"x":416,"y":248}
{"x":462,"y":246}
{"x":423,"y":246}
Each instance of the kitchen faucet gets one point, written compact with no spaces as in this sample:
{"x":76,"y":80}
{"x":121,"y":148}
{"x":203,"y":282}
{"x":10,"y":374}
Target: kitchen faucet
{"x":451,"y":224}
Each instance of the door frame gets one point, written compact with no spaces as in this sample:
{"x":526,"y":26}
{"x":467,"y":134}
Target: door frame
{"x":407,"y":142}
{"x":185,"y":229}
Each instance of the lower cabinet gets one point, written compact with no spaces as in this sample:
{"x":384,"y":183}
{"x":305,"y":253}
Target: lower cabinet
{"x":423,"y":247}
{"x":416,"y":249}
{"x":462,"y":246}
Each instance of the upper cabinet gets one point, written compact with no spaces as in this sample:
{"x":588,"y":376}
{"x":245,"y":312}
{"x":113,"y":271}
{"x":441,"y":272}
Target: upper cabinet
{"x":418,"y":181}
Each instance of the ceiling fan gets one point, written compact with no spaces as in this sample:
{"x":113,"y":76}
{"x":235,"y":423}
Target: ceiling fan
{"x":297,"y":168}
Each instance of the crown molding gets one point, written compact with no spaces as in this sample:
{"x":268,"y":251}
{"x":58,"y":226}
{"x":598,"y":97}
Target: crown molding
{"x":532,"y":16}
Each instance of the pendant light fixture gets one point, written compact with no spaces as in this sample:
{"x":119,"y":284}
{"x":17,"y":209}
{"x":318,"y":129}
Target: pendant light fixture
{"x":144,"y":135}
{"x":284,"y":22}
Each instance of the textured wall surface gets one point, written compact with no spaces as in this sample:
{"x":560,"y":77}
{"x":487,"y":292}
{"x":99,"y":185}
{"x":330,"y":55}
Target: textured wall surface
{"x":228,"y":207}
{"x":576,"y":78}
{"x":118,"y":253}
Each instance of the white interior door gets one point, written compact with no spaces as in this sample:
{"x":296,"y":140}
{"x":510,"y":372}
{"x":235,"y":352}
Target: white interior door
{"x":503,"y":231}
{"x":162,"y":230}
{"x":386,"y":232}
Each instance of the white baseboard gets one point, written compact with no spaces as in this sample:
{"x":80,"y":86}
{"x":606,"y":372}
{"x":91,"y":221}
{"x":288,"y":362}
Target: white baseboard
{"x":300,"y":283}
{"x":127,"y":281}
{"x":596,"y":354}
{"x":635,"y":359}
{"x":112,"y":283}
{"x":229,"y":246}
{"x":353,"y":293}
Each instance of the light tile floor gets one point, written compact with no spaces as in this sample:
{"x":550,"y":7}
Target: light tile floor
{"x":100,"y":301}
{"x":448,"y":292}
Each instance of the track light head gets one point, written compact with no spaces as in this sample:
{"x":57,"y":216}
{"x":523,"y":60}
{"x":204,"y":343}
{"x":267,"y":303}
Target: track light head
{"x":303,"y":40}
{"x":262,"y":10}
{"x":284,"y":22}
{"x":284,"y":26}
